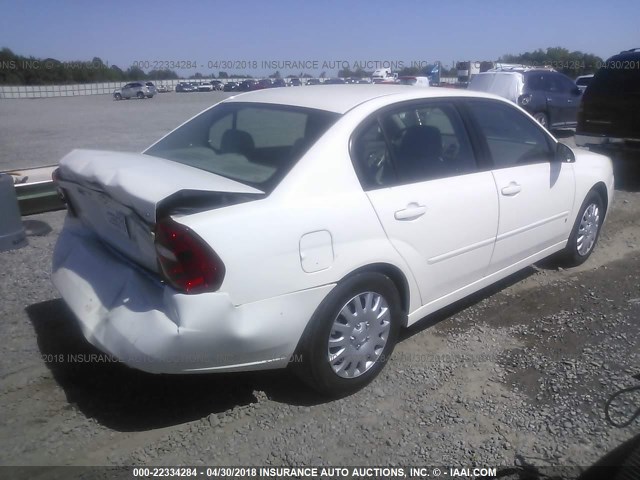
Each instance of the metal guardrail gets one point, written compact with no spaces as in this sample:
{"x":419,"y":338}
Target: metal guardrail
{"x":35,"y":190}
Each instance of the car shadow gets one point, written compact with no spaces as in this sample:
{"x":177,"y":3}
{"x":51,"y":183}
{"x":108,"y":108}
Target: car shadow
{"x":125,"y":399}
{"x":467,"y":302}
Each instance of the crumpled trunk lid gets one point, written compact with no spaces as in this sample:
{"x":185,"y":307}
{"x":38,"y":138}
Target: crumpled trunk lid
{"x":118,"y":195}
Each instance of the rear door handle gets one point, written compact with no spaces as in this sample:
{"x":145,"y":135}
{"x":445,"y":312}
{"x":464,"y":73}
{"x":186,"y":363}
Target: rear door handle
{"x":412,"y":212}
{"x":512,"y":189}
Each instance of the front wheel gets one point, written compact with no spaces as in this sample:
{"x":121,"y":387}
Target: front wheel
{"x":117,"y":96}
{"x":140,"y":95}
{"x":586,"y":230}
{"x":351,"y":335}
{"x":542,"y":119}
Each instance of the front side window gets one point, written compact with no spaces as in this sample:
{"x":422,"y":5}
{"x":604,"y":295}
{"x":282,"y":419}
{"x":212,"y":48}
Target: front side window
{"x":413,"y":144}
{"x":512,"y":137}
{"x":565,"y":84}
{"x":256,"y":144}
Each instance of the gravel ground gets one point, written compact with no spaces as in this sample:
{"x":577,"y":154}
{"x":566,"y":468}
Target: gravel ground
{"x":512,"y":377}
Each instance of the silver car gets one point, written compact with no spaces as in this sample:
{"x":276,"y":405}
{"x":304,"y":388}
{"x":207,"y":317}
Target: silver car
{"x":135,"y":89}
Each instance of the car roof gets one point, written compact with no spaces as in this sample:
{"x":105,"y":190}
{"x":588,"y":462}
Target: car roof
{"x":342,"y":98}
{"x":631,"y":54}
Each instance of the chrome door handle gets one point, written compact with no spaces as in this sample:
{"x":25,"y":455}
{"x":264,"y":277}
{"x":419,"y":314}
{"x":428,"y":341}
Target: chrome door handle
{"x":412,"y":212}
{"x":512,"y":189}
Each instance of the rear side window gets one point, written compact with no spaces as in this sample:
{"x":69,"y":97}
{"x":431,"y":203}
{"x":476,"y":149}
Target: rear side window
{"x":512,"y":137}
{"x":558,"y":83}
{"x":256,"y":144}
{"x":535,"y":82}
{"x":413,"y":144}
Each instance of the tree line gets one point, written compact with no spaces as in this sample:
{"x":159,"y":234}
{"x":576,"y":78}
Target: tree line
{"x":21,"y":70}
{"x":571,"y":64}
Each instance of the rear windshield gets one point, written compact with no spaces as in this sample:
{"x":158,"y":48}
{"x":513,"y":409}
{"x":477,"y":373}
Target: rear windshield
{"x":618,"y":78}
{"x":255,"y":144}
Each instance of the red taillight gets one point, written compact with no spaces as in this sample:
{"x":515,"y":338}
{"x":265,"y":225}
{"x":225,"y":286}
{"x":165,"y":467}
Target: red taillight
{"x":187,"y":263}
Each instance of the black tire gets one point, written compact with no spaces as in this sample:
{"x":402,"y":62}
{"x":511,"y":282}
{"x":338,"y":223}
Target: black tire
{"x":140,"y":95}
{"x":542,"y":118}
{"x":117,"y":96}
{"x":580,"y":246}
{"x":316,"y":369}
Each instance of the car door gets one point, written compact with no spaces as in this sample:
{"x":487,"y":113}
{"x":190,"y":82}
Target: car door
{"x":127,"y":90}
{"x":556,"y":100}
{"x":535,"y":191}
{"x":438,"y":210}
{"x":573,"y":96}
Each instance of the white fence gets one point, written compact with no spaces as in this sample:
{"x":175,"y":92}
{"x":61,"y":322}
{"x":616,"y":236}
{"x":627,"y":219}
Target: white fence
{"x":105,"y":88}
{"x":42,"y":91}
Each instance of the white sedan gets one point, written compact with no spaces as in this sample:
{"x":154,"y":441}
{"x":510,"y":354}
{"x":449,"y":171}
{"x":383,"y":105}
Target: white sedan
{"x":306,"y":227}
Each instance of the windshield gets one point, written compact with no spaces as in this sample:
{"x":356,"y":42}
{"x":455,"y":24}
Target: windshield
{"x":256,"y":144}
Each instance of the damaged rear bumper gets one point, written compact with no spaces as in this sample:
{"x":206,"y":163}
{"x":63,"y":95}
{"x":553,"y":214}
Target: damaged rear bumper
{"x":126,"y":312}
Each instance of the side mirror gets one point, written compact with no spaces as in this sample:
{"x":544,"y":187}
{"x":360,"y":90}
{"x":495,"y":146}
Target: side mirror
{"x":564,"y":154}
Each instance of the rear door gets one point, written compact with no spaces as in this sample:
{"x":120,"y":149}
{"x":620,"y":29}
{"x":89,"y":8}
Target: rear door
{"x":555,"y":99}
{"x":535,"y":192}
{"x":437,"y":208}
{"x":564,"y":87}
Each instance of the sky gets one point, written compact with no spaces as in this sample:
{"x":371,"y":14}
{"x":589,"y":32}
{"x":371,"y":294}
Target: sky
{"x":204,"y":36}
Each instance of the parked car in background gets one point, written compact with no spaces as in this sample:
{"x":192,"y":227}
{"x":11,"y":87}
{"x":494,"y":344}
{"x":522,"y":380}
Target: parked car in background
{"x":185,"y":87}
{"x":205,"y":87}
{"x":295,"y":82}
{"x":312,"y":81}
{"x":334,"y":81}
{"x":550,"y":97}
{"x":162,"y":88}
{"x":414,"y":81}
{"x":217,"y":85}
{"x":583,"y":81}
{"x":264,"y":83}
{"x":279,"y":82}
{"x":188,"y":273}
{"x":247,"y":85}
{"x":133,"y":90}
{"x":230,"y":86}
{"x":609,"y":116}
{"x":152,"y":88}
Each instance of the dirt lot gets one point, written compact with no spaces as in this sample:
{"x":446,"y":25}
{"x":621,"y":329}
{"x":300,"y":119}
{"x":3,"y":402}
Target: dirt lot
{"x":515,"y":376}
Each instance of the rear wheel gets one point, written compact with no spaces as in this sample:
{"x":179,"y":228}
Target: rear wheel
{"x":140,"y":95}
{"x":586,"y":230}
{"x":351,"y":335}
{"x":542,"y":119}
